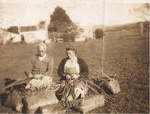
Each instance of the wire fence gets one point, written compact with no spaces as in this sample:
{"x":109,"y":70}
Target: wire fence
{"x":61,"y":37}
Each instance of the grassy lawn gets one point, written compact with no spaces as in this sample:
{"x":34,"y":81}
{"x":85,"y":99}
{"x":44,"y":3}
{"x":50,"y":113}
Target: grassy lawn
{"x":127,"y":57}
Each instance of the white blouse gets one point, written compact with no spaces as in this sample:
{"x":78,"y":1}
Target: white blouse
{"x":72,"y":66}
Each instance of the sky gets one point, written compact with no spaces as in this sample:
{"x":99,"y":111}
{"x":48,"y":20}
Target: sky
{"x":83,"y":12}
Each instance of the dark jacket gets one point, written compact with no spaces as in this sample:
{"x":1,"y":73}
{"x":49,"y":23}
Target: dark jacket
{"x":84,"y":70}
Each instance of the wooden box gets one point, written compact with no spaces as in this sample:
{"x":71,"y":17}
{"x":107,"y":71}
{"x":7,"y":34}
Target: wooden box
{"x":91,"y":102}
{"x":54,"y":109}
{"x":40,"y":99}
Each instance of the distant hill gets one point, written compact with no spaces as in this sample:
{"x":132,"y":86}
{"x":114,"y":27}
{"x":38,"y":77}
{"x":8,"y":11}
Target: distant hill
{"x":128,"y":26}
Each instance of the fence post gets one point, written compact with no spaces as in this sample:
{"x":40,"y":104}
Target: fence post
{"x":142,"y":28}
{"x":54,"y":38}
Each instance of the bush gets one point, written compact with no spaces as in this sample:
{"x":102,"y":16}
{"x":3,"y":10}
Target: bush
{"x":98,"y":33}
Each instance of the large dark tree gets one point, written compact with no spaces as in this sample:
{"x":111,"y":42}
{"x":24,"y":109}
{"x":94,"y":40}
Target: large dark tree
{"x":60,"y":21}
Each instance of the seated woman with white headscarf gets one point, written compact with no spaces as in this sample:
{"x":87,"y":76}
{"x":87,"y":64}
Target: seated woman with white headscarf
{"x":41,"y":69}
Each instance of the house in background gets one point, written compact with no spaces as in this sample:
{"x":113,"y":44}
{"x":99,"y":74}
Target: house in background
{"x":9,"y":37}
{"x":86,"y":35}
{"x":32,"y":34}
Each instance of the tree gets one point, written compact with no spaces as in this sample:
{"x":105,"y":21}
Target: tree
{"x":141,"y":12}
{"x":42,"y":25}
{"x":60,"y":21}
{"x":98,"y":33}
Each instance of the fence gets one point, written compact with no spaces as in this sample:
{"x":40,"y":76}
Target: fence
{"x":61,"y":37}
{"x":132,"y":32}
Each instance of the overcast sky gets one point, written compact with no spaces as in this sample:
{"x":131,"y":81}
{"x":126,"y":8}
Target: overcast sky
{"x":84,"y":12}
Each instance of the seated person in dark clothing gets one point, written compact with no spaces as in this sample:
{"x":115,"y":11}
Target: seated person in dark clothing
{"x":74,"y":71}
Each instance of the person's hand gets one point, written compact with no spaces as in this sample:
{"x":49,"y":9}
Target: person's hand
{"x":68,"y":77}
{"x":38,"y":76}
{"x":75,"y":76}
{"x":63,"y":83}
{"x":30,"y":75}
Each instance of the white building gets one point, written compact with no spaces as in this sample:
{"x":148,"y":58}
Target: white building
{"x":33,"y":34}
{"x":84,"y":36}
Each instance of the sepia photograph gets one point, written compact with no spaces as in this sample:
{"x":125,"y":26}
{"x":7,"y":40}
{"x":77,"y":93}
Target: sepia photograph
{"x":74,"y":56}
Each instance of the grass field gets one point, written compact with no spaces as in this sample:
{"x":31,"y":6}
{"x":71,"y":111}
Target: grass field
{"x":127,"y":57}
